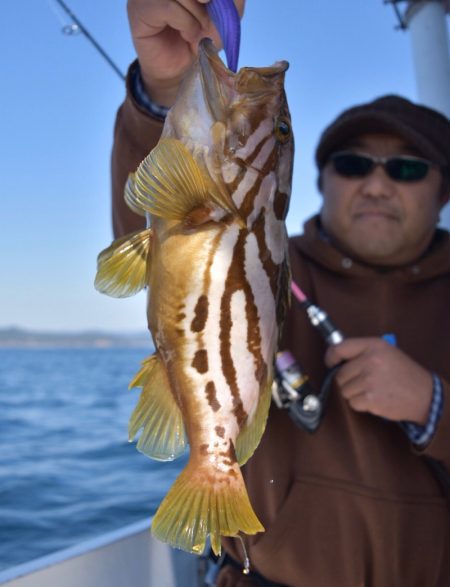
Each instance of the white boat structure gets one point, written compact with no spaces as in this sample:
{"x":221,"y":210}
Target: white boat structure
{"x":129,"y":557}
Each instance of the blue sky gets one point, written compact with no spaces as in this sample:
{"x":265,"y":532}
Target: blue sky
{"x":58,"y":102}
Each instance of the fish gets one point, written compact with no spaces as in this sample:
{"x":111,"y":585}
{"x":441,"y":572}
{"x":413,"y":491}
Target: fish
{"x":215,"y":191}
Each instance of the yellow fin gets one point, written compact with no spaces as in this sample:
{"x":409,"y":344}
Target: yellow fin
{"x":199,"y":505}
{"x":163,"y":437}
{"x":129,"y":186}
{"x":168,"y":182}
{"x":122,"y":268}
{"x":250,"y":436}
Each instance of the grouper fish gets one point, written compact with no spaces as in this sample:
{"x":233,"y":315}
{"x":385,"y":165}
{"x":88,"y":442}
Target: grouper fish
{"x":215,"y":191}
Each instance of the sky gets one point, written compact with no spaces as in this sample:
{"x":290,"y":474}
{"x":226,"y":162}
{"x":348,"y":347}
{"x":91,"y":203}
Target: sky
{"x":58,"y":102}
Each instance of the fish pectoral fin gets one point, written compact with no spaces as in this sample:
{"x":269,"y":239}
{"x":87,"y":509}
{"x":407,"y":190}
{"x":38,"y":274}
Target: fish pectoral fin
{"x":168,"y":183}
{"x":129,"y":195}
{"x":122,"y":268}
{"x":163,"y":436}
{"x":250,"y":435}
{"x":204,"y":501}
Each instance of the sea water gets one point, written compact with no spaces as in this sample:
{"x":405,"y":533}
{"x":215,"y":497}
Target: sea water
{"x":67,"y":470}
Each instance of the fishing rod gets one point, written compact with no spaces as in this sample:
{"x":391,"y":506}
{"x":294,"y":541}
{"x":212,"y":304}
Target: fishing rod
{"x":89,"y":37}
{"x":291,"y":389}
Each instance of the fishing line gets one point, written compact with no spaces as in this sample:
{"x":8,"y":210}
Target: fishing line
{"x":76,"y":26}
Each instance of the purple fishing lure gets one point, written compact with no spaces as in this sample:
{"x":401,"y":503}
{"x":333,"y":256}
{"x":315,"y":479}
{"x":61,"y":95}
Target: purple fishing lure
{"x":227,"y":21}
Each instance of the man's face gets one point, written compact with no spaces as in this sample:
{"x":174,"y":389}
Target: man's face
{"x":374,"y":218}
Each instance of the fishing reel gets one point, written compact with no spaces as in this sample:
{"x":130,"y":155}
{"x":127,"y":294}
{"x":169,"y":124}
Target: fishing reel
{"x":292,"y":391}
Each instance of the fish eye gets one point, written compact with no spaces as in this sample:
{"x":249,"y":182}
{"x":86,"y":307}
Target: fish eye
{"x":282,"y":129}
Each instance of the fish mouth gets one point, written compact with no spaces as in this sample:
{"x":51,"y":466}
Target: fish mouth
{"x":222,"y":87}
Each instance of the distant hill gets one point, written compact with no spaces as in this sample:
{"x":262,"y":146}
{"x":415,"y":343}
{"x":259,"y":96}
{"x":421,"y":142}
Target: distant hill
{"x":22,"y":338}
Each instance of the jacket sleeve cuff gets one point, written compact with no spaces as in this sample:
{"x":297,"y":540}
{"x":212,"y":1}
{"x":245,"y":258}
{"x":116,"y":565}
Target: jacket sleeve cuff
{"x":439,"y":445}
{"x":139,"y":94}
{"x":422,"y":435}
{"x":141,"y":126}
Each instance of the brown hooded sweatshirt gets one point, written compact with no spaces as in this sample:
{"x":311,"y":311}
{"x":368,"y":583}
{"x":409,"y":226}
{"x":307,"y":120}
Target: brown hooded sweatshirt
{"x":355,"y":504}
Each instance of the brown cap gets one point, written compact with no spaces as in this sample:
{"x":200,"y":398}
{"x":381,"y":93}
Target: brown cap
{"x":425,"y":129}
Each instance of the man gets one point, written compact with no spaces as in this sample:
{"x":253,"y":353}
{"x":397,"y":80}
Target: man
{"x":356,"y":504}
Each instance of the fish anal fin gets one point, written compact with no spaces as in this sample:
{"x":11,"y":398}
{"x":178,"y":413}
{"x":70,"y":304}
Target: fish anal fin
{"x":157,"y":413}
{"x":250,"y":435}
{"x":122,"y":268}
{"x":197,"y":506}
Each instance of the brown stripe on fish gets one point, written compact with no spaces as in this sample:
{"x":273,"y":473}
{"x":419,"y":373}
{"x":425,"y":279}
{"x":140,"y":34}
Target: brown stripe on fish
{"x":271,"y":269}
{"x":200,"y":361}
{"x":280,"y":205}
{"x":261,"y":153}
{"x":248,"y":204}
{"x":200,"y":313}
{"x":211,"y":396}
{"x":220,"y":431}
{"x":201,"y":309}
{"x":236,"y":281}
{"x":252,"y":180}
{"x":229,"y":456}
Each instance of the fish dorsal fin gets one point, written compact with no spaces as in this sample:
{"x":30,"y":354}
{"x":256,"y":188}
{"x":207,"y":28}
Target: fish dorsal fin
{"x":122,"y":268}
{"x":168,"y":183}
{"x":250,"y":435}
{"x":163,"y":436}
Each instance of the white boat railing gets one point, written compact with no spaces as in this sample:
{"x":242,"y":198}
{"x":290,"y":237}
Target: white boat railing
{"x":129,"y":557}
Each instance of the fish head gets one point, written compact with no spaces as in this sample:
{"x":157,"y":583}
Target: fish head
{"x":235,"y":122}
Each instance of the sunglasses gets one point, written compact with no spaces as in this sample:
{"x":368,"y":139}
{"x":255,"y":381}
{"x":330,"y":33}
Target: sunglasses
{"x":399,"y":168}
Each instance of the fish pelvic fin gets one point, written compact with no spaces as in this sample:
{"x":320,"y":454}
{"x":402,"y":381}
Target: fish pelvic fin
{"x":250,"y":435}
{"x":122,"y":268}
{"x":163,"y":436}
{"x":202,"y":503}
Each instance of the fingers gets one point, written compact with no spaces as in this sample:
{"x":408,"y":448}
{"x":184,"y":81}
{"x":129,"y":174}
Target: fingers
{"x":358,"y":378}
{"x":379,"y":378}
{"x":354,"y":384}
{"x":351,"y":348}
{"x":150,"y":17}
{"x":193,"y":19}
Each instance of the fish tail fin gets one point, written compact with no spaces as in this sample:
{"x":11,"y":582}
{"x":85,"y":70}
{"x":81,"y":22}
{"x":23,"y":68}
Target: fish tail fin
{"x":202,"y":502}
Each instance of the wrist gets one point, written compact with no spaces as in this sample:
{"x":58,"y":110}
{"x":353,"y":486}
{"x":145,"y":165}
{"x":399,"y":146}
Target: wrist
{"x":161,"y":91}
